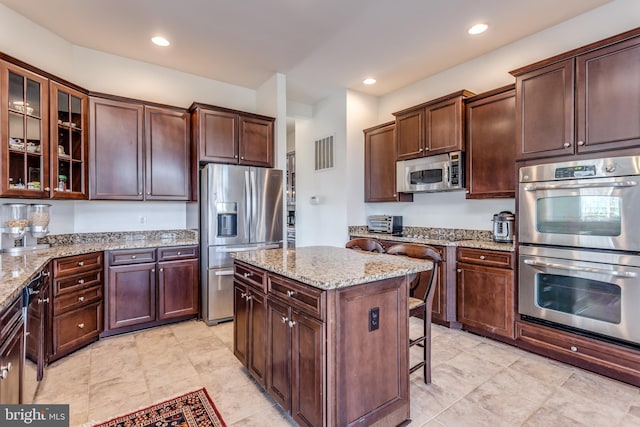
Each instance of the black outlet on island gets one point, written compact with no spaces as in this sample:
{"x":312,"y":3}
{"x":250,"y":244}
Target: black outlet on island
{"x":374,"y":318}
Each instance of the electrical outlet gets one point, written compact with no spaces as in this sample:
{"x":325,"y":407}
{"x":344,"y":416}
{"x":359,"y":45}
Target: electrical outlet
{"x":143,"y":219}
{"x":374,"y":318}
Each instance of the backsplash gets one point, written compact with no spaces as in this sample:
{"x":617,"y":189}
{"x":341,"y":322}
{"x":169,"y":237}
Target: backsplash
{"x":451,"y":234}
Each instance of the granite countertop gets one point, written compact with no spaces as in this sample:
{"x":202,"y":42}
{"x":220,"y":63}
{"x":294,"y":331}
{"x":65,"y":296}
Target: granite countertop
{"x":327,"y":267}
{"x":16,"y":271}
{"x":460,"y":238}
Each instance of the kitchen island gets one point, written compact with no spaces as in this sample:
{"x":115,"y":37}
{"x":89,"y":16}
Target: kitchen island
{"x":325,"y":331}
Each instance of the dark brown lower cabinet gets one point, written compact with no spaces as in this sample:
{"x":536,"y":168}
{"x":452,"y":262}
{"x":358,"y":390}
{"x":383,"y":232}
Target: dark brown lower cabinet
{"x":320,"y":366}
{"x":11,"y":353}
{"x":486,"y":294}
{"x":148,"y":287}
{"x":77,"y":293}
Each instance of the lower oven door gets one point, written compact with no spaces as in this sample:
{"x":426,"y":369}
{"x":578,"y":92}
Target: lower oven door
{"x":594,"y":291}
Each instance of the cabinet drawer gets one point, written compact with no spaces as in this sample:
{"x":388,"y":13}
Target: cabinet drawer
{"x":76,"y":328}
{"x":486,"y":257}
{"x":73,"y":300}
{"x":581,"y":351}
{"x":10,"y":316}
{"x":77,"y":264}
{"x":132,"y":256}
{"x":252,"y":276}
{"x":79,"y":281}
{"x":178,"y":252}
{"x":306,"y":298}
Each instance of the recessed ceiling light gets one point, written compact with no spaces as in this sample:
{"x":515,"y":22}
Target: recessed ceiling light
{"x":160,"y":41}
{"x":478,"y":28}
{"x":369,"y":81}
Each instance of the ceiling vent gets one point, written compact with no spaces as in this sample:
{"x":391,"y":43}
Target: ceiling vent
{"x":324,"y":153}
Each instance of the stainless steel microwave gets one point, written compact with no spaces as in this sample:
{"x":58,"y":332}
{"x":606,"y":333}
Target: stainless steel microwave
{"x":444,"y":172}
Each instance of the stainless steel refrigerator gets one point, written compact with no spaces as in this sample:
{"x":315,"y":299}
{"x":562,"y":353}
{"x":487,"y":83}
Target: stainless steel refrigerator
{"x":240,"y":210}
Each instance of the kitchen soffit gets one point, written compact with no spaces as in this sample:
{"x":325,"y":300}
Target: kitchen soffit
{"x":321,"y":46}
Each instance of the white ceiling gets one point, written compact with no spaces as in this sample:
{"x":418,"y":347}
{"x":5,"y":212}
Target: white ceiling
{"x":320,"y":45}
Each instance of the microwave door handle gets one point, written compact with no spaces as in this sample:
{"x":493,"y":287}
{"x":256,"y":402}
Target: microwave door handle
{"x":446,"y":173}
{"x":623,"y":274}
{"x":617,"y":184}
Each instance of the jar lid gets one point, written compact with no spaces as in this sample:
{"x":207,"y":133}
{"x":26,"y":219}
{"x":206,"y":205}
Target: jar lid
{"x":62,"y":176}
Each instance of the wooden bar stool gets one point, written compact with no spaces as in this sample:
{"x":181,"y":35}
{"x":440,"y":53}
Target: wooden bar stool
{"x":421,"y":292}
{"x":364,"y":244}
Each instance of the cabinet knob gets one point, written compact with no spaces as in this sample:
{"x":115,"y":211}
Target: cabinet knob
{"x":420,"y":150}
{"x":459,"y":270}
{"x":482,"y":257}
{"x":246,"y":275}
{"x":81,"y":263}
{"x":80,"y":281}
{"x":148,"y":193}
{"x":43,"y":300}
{"x":242,"y":158}
{"x":425,"y":149}
{"x":580,"y":143}
{"x":395,"y":195}
{"x":46,"y":273}
{"x":161,"y":270}
{"x":243,"y":295}
{"x":47,"y":188}
{"x":566,"y":145}
{"x":179,"y":253}
{"x":133,"y":257}
{"x":4,"y":371}
{"x":249,"y":297}
{"x":574,"y":348}
{"x":140,"y":193}
{"x":153,"y":270}
{"x":81,"y":325}
{"x":80,"y":299}
{"x":291,"y":293}
{"x":285,"y":319}
{"x":235,"y":157}
{"x":292,"y":323}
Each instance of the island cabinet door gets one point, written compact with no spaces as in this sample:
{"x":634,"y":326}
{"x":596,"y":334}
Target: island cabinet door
{"x":308,"y":370}
{"x":240,"y":322}
{"x":257,"y":361}
{"x":279,"y":353}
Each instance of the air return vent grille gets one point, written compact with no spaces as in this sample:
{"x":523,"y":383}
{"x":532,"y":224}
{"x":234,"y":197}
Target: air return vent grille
{"x":324,"y":153}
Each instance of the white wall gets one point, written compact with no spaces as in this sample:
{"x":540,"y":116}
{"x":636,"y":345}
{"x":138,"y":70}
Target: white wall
{"x":487,"y":72}
{"x":325,"y":223}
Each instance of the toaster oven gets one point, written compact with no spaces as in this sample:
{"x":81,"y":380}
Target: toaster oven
{"x":389,"y":224}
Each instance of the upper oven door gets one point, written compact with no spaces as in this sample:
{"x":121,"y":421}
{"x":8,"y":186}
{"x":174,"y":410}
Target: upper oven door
{"x":589,"y":213}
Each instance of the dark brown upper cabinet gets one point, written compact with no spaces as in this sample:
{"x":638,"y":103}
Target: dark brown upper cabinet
{"x":222,"y":135}
{"x":491,"y":144}
{"x":138,"y":152}
{"x":24,"y":132}
{"x":431,"y":128}
{"x":380,"y":165}
{"x":582,"y":101}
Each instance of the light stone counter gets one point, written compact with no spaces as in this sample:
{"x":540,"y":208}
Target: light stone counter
{"x":327,"y":267}
{"x":17,"y":270}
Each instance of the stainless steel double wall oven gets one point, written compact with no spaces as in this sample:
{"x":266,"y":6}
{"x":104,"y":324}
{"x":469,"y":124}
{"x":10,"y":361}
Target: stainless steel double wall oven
{"x":579,"y":246}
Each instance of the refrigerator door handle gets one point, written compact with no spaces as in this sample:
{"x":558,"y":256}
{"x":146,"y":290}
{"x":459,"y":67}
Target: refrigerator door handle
{"x":224,"y":273}
{"x":248,"y":248}
{"x":248,"y":194}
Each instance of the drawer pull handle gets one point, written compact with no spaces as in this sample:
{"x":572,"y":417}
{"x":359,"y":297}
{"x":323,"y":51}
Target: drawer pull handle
{"x":42,"y":301}
{"x":247,"y":275}
{"x":133,"y":257}
{"x":291,"y":293}
{"x":4,"y":371}
{"x":292,"y":323}
{"x":249,"y":297}
{"x":243,"y":295}
{"x":284,"y":319}
{"x":80,"y":299}
{"x":46,"y":273}
{"x":482,"y":257}
{"x":574,"y":348}
{"x":81,"y":325}
{"x":80,"y":281}
{"x":81,"y":263}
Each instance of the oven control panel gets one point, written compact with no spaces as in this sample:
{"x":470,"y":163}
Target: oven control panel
{"x":576,"y":171}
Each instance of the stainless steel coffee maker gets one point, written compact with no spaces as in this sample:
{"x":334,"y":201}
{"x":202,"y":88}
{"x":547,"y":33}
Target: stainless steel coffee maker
{"x":503,"y":226}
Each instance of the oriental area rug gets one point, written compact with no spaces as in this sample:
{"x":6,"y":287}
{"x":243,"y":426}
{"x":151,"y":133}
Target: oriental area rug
{"x":193,"y":409}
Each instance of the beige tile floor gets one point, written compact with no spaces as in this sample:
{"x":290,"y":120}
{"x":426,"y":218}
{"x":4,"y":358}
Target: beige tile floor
{"x":476,"y":382}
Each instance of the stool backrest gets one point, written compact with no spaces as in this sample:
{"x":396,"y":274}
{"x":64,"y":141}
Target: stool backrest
{"x":422,"y":285}
{"x":364,"y":244}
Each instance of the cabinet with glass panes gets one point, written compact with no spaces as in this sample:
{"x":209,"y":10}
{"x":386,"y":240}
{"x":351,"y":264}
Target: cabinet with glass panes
{"x":24,"y":132}
{"x":68,"y":142}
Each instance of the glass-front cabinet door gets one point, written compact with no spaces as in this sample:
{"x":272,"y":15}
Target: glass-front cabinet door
{"x":68,"y":142}
{"x":24,"y":132}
